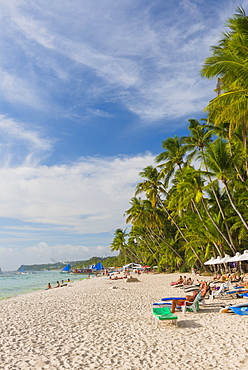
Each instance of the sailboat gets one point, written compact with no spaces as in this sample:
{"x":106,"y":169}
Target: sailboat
{"x":66,"y":269}
{"x":22,"y":271}
{"x":1,"y":271}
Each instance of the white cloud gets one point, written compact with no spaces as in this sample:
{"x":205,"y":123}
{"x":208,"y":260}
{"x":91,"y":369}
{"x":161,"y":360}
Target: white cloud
{"x":89,"y":196}
{"x":12,"y":258}
{"x":126,"y":47}
{"x":15,"y":130}
{"x":21,"y":144}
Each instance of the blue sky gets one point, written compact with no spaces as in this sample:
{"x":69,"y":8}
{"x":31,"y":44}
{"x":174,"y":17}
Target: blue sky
{"x":89,"y":90}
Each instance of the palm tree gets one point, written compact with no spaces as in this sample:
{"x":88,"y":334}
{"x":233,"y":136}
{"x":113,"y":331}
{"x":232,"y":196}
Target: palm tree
{"x":152,"y":186}
{"x":200,"y":136}
{"x":220,"y":162}
{"x":189,"y":193}
{"x":143,"y":214}
{"x":173,"y":157}
{"x":229,"y":63}
{"x":199,"y":139}
{"x":120,"y":244}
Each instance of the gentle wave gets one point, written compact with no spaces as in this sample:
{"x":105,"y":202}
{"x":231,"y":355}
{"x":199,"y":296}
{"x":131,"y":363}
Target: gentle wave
{"x":13,"y":284}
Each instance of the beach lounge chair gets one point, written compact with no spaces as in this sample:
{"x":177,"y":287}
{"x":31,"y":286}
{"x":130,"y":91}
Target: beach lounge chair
{"x":240,"y":309}
{"x":163,"y":313}
{"x":220,"y":293}
{"x":192,"y":306}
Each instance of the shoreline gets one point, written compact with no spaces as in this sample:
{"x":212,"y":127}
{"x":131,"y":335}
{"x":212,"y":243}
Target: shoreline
{"x":100,"y":323}
{"x":31,"y":282}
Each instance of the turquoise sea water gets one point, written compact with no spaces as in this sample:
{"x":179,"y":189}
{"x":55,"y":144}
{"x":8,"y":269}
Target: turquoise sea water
{"x":12,"y":284}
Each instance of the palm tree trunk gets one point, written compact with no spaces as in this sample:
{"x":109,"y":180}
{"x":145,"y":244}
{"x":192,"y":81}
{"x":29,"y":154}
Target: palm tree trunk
{"x":170,"y":246}
{"x":233,"y":249}
{"x":233,"y":205}
{"x":214,"y":223}
{"x":181,"y":233}
{"x":204,"y":223}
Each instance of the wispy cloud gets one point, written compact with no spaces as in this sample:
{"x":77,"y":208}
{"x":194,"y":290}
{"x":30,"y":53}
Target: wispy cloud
{"x":31,"y":143}
{"x":78,"y":76}
{"x":125,"y":47}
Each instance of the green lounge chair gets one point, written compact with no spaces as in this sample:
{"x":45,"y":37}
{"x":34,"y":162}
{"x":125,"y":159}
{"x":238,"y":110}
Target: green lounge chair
{"x":163,"y":313}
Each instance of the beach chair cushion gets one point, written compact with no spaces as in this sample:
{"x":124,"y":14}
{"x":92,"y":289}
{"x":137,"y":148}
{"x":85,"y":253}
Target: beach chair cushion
{"x":163,"y":313}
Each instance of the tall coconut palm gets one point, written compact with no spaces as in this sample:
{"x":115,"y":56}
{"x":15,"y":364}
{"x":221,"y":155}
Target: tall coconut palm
{"x":190,"y":190}
{"x":229,"y":63}
{"x":173,"y":157}
{"x":220,"y":162}
{"x":154,"y":189}
{"x":120,"y":244}
{"x":142,"y":213}
{"x":200,"y":138}
{"x":152,"y":185}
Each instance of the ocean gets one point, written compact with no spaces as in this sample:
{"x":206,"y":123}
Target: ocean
{"x":13,"y":284}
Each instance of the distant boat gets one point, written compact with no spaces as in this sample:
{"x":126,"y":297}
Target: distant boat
{"x":66,"y":269}
{"x":1,"y":271}
{"x":22,"y":271}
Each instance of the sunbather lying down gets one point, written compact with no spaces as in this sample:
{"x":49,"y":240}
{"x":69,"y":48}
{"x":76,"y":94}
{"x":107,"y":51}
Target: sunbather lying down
{"x":190,"y":298}
{"x":179,"y":281}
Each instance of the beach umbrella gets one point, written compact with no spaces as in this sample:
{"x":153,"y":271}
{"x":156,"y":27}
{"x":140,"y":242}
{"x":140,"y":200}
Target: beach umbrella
{"x":244,"y":256}
{"x":235,"y":258}
{"x":225,"y":259}
{"x":217,"y":261}
{"x":209,"y":262}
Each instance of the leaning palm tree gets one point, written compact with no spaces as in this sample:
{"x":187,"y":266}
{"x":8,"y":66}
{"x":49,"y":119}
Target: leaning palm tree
{"x":220,"y":162}
{"x":152,"y":185}
{"x":229,"y":63}
{"x":173,"y":157}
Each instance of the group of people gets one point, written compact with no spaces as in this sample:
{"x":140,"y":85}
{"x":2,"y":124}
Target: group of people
{"x":223,"y":278}
{"x":117,"y":277}
{"x":49,"y":286}
{"x":183,"y":281}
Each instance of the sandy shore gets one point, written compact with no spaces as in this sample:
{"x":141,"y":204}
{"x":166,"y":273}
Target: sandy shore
{"x":103,"y":324}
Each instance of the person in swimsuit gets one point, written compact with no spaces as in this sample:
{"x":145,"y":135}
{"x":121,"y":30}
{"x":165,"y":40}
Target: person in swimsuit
{"x":190,"y":298}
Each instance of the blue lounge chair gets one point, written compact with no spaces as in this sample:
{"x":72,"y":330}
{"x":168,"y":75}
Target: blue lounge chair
{"x":240,"y":309}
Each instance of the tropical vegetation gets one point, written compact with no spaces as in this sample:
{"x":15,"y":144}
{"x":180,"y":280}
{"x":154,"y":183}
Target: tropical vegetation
{"x":193,"y":204}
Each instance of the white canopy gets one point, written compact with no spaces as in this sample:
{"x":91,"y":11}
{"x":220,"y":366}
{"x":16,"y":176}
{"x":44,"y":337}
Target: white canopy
{"x":217,"y":261}
{"x":244,"y":256}
{"x":235,"y":258}
{"x":210,"y":262}
{"x":132,"y":266}
{"x":225,"y":259}
{"x":238,"y":257}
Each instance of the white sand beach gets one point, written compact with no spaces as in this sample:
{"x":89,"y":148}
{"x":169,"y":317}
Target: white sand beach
{"x":104,"y":324}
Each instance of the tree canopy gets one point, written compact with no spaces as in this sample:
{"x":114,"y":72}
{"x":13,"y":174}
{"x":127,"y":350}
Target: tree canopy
{"x":194,"y":204}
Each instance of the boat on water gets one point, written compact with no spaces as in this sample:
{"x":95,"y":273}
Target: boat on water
{"x":66,"y":269}
{"x":22,"y":271}
{"x":1,"y":271}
